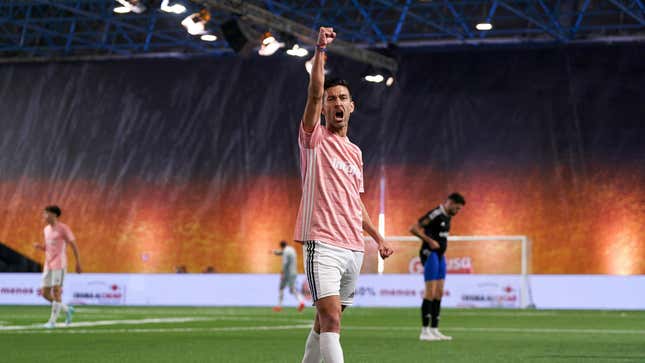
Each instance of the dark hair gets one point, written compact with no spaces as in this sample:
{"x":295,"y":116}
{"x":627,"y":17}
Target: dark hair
{"x":283,"y":244}
{"x":329,"y":83}
{"x":457,"y":198}
{"x":53,"y":209}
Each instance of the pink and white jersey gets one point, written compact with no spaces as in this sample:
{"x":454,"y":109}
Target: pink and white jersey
{"x":56,"y":239}
{"x":332,"y":179}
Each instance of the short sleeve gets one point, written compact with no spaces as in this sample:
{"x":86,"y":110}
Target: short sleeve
{"x":69,"y":236}
{"x":309,"y":140}
{"x":425,"y":220}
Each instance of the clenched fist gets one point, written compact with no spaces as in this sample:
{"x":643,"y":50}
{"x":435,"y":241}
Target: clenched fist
{"x":325,"y":36}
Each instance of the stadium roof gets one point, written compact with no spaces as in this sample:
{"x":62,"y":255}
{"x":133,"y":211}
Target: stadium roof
{"x":90,"y":29}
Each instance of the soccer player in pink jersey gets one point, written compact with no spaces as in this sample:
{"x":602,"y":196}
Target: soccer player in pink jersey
{"x":332,"y":216}
{"x":57,"y":237}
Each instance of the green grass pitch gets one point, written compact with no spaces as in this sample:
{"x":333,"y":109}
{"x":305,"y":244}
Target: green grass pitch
{"x":203,"y":334}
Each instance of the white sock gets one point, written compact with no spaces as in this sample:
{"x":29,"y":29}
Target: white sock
{"x":63,"y":307}
{"x":55,"y":311}
{"x":301,"y":300}
{"x":312,"y":348}
{"x":330,"y":348}
{"x":280,"y":297}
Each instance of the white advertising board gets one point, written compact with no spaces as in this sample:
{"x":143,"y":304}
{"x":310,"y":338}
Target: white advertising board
{"x":404,"y":290}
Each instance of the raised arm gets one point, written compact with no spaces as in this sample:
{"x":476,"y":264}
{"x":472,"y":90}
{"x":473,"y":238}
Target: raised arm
{"x":313,"y":108}
{"x":384,"y":248}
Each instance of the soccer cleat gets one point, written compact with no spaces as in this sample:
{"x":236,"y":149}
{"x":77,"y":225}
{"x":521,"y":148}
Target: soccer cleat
{"x":69,"y":315}
{"x":49,"y":325}
{"x":426,"y":335}
{"x":438,"y":334}
{"x":277,"y":309}
{"x":301,"y":307}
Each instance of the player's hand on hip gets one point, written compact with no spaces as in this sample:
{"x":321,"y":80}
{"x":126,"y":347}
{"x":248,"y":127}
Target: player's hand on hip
{"x":325,"y":36}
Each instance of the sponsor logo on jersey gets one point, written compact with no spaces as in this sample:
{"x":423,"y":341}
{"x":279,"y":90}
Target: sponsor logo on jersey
{"x":347,"y":167}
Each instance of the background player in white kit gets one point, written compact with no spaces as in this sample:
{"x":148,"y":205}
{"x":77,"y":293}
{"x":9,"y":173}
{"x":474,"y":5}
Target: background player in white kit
{"x":288,"y":275}
{"x":57,"y":237}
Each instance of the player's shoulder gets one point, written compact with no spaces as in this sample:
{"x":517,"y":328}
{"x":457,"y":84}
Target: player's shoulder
{"x":434,"y":213}
{"x":305,"y":137}
{"x":353,"y":145}
{"x":64,"y":227}
{"x":355,"y":148}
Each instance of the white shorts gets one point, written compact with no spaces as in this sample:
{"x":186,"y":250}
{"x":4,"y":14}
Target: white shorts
{"x":288,"y":280}
{"x":331,"y":271}
{"x":53,"y":277}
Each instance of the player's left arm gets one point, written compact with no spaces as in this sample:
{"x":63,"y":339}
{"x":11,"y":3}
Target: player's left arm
{"x":77,"y":255}
{"x":384,"y":248}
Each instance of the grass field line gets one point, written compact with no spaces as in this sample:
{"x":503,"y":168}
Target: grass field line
{"x":113,"y":312}
{"x":515,"y":314}
{"x":508,"y":330}
{"x":153,"y":321}
{"x":169,"y":310}
{"x":71,"y":330}
{"x":112,"y":322}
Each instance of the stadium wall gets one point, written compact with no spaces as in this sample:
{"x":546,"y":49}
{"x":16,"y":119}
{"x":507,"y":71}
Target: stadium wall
{"x":161,"y":163}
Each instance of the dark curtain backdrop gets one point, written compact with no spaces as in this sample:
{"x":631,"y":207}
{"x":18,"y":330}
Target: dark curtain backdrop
{"x":166,"y":162}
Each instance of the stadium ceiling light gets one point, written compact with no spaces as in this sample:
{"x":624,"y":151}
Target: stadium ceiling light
{"x":174,"y":8}
{"x":263,"y":17}
{"x":269,"y":45}
{"x":195,"y":23}
{"x":374,"y":78}
{"x":209,"y":37}
{"x":268,"y":38}
{"x":484,"y":26}
{"x":310,"y":64}
{"x":296,"y":51}
{"x":390,"y":81}
{"x":121,"y":10}
{"x":134,"y":6}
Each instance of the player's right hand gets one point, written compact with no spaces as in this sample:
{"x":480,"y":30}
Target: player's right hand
{"x":325,"y":36}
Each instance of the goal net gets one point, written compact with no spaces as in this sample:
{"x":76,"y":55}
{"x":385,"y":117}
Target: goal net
{"x":483,"y":271}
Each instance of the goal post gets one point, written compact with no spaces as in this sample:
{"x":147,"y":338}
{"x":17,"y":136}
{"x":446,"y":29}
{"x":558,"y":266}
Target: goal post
{"x":508,"y":255}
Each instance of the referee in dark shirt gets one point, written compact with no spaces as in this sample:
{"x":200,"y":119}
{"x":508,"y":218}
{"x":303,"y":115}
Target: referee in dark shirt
{"x":433,"y":229}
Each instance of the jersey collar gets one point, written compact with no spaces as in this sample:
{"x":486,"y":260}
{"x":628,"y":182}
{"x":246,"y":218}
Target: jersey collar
{"x":443,"y":210}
